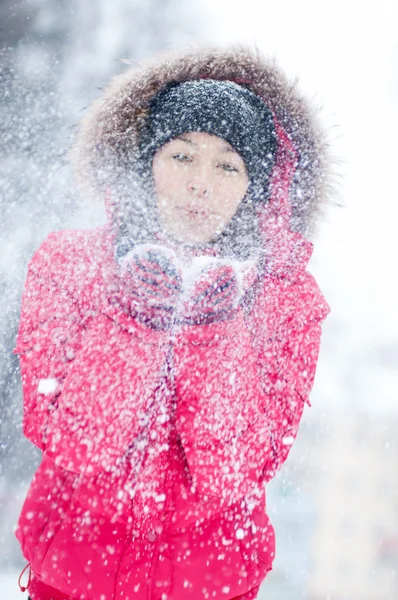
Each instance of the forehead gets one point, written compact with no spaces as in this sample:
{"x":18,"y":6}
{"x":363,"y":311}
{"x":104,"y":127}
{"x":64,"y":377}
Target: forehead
{"x":201,"y":140}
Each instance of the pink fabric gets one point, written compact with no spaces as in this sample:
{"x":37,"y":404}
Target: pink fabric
{"x":155,"y":447}
{"x":40,"y":591}
{"x":250,"y":595}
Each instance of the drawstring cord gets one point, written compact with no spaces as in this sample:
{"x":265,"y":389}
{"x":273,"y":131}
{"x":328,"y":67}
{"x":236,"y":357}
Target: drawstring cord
{"x":23,"y":588}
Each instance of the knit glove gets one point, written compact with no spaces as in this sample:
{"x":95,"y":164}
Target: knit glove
{"x":152,"y":284}
{"x":212,"y":297}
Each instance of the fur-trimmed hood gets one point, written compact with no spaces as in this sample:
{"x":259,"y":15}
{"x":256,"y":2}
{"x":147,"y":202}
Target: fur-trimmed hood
{"x":110,"y":130}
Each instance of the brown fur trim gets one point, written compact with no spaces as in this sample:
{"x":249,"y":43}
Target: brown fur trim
{"x":111,"y":126}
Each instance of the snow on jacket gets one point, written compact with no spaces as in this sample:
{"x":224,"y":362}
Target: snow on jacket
{"x":152,"y":482}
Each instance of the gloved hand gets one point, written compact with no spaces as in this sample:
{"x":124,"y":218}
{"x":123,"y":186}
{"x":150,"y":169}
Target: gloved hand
{"x":152,"y":284}
{"x":212,"y":297}
{"x":158,"y":290}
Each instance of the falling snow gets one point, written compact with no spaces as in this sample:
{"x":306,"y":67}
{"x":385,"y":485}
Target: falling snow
{"x":168,"y":339}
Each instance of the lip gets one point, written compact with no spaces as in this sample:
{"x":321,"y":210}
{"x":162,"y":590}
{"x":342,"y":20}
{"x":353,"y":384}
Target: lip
{"x":196,"y":213}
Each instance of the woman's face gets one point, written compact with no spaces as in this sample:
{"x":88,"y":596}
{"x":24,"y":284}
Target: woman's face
{"x":199,"y":182}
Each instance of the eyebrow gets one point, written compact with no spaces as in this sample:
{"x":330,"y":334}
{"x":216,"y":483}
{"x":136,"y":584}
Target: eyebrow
{"x":184,"y":139}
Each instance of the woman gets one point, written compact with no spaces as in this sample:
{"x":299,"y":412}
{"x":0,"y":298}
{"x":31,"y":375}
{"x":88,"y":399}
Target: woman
{"x":167,"y":356}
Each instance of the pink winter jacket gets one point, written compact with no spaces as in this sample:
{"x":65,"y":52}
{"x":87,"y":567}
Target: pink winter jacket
{"x":152,"y":486}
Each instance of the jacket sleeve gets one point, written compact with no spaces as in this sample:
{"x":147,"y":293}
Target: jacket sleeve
{"x":287,"y":351}
{"x":221,"y":413}
{"x":48,"y":339}
{"x":83,"y":401}
{"x":240,"y":396}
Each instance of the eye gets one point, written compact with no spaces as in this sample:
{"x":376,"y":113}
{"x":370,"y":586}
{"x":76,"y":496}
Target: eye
{"x":180,"y":157}
{"x":229,"y":168}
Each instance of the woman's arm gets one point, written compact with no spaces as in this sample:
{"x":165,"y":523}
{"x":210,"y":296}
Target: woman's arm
{"x":241,"y":391}
{"x":87,"y":379}
{"x":286,"y":329}
{"x":48,"y":338}
{"x":221,"y":409}
{"x":289,"y":379}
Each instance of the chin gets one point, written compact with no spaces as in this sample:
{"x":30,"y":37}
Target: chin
{"x":192,"y":239}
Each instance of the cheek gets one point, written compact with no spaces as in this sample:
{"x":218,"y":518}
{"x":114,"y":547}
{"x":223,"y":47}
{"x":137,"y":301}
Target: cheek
{"x":168,"y":184}
{"x":229,"y":195}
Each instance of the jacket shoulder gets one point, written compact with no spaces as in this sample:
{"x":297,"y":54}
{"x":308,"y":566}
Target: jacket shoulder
{"x":282,"y":303}
{"x":72,"y":244}
{"x":74,"y":259}
{"x":72,"y":248}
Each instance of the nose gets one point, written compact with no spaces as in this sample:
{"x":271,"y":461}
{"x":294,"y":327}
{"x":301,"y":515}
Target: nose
{"x":199,"y":184}
{"x":199,"y":188}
